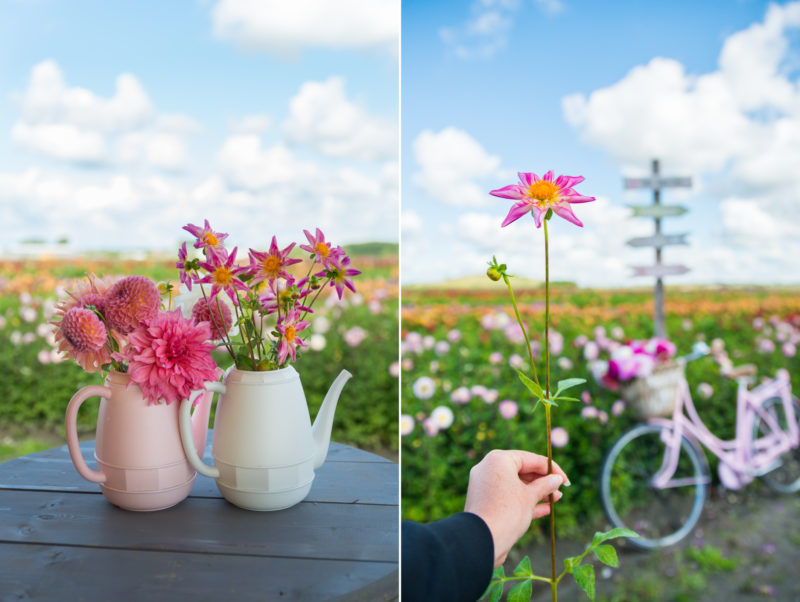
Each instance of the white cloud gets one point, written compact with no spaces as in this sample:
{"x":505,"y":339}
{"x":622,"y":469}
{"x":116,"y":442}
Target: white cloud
{"x":247,"y":164}
{"x":323,"y":118}
{"x":73,"y":124}
{"x":451,"y":162}
{"x":252,"y":124}
{"x":286,"y":28}
{"x":550,"y":7}
{"x":737,"y":127}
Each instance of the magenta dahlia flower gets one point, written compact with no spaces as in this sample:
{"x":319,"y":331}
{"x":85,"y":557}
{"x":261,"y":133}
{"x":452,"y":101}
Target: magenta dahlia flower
{"x":206,"y":237}
{"x":186,"y":277}
{"x":223,"y":275}
{"x":272,"y":264}
{"x":339,"y":272}
{"x":82,"y":336}
{"x":321,"y":250}
{"x":537,"y":195}
{"x":169,"y":357}
{"x":288,"y":327}
{"x":131,"y":301}
{"x":216,"y":313}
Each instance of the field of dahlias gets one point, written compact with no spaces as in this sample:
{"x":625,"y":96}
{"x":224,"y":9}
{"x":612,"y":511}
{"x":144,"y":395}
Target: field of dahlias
{"x":358,"y":333}
{"x":461,"y":397}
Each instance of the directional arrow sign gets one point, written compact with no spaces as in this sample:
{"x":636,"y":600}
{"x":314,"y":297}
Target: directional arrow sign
{"x":656,"y":182}
{"x":659,"y":240}
{"x":657,"y":210}
{"x":659,"y":270}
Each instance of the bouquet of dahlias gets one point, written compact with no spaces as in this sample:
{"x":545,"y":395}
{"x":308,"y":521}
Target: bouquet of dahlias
{"x":261,"y":317}
{"x":119,"y":324}
{"x":633,"y":360}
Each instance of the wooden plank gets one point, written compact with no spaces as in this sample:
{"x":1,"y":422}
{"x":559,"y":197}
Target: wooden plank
{"x":659,"y":240}
{"x":658,"y":182}
{"x":659,"y":270}
{"x":308,"y":530}
{"x":344,"y":482}
{"x":44,"y":572}
{"x":658,"y":210}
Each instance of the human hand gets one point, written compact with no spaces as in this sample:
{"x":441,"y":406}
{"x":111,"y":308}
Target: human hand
{"x":506,"y":489}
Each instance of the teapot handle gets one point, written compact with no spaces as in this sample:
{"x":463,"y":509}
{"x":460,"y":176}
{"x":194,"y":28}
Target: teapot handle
{"x":187,"y":435}
{"x":71,"y":428}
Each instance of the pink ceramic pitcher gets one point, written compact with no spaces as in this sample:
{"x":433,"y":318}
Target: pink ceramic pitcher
{"x":140,"y":460}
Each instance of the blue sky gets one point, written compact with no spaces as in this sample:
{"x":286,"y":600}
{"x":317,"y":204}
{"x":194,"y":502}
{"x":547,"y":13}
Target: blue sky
{"x":121,"y":122}
{"x":598,"y":89}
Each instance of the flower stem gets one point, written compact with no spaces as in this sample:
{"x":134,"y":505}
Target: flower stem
{"x":554,"y":582}
{"x":522,"y":326}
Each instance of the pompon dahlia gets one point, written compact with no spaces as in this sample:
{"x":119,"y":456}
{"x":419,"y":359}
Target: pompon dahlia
{"x":87,"y":292}
{"x":169,"y":357}
{"x":131,"y":301}
{"x":82,"y":336}
{"x":216,"y":312}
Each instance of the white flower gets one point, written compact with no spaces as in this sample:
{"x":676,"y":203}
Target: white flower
{"x":424,"y":387}
{"x":317,"y":342}
{"x":442,"y":417}
{"x":406,"y":425}
{"x":320,"y":325}
{"x":441,"y":348}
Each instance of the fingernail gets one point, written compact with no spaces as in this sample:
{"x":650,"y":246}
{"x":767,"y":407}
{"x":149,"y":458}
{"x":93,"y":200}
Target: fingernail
{"x":555,"y":481}
{"x":567,"y":483}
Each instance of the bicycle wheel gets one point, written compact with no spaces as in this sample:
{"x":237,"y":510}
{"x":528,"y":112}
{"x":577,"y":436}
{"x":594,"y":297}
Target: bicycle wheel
{"x":785,"y":476}
{"x":662,"y":516}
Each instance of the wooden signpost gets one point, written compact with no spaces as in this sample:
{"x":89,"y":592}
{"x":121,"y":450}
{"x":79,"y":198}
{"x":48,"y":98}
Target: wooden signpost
{"x":657,"y":211}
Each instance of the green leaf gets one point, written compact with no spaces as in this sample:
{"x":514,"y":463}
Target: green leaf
{"x":584,"y":577}
{"x":532,"y":386}
{"x":523,"y":568}
{"x":566,"y":398}
{"x":521,"y":592}
{"x":613,"y":534}
{"x":550,"y":402}
{"x":568,"y":383}
{"x":499,"y":573}
{"x":571,"y":562}
{"x":607,"y":555}
{"x":495,"y":592}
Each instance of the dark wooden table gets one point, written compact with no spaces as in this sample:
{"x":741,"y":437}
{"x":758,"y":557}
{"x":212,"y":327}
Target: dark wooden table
{"x":61,"y":540}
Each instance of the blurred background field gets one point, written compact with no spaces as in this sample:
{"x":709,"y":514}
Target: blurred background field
{"x":359,"y":334}
{"x":459,"y":346}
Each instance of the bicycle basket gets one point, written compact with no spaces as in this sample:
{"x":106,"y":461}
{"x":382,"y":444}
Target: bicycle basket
{"x":656,"y":394}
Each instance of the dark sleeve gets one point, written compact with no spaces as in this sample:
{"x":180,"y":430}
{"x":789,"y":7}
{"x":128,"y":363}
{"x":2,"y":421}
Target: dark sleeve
{"x":449,"y":560}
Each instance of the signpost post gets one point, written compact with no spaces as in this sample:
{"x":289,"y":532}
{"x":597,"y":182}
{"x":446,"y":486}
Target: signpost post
{"x":657,"y":211}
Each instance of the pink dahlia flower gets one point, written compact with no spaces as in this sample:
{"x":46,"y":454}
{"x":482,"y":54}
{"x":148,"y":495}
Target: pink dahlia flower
{"x":216,"y":313}
{"x":288,"y":327}
{"x":169,"y":357}
{"x":186,"y":277}
{"x":322,"y":250}
{"x":272,"y":264}
{"x":223,"y":275}
{"x":537,"y":195}
{"x":340,"y":273}
{"x":82,"y":336}
{"x":131,"y":301}
{"x":206,"y":237}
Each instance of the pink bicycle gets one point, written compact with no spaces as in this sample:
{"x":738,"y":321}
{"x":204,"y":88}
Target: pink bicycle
{"x":655,"y":476}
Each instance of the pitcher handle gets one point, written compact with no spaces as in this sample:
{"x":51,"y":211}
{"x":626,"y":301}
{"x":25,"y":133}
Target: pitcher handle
{"x":71,"y":428}
{"x":187,"y":434}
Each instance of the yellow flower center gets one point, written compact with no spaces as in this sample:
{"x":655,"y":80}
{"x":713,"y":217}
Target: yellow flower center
{"x":210,"y":239}
{"x":290,"y":333}
{"x":542,"y":190}
{"x":272,"y":264}
{"x":322,"y":249}
{"x":222,"y":276}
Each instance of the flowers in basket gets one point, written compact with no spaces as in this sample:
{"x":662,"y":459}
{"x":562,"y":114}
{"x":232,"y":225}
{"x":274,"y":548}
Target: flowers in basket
{"x":122,"y":324}
{"x":636,"y":359}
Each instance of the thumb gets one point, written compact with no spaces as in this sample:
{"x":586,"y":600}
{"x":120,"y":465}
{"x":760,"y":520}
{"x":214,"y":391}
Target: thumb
{"x":544,"y":486}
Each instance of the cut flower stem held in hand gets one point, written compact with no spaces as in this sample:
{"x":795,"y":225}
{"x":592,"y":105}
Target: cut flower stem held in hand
{"x":542,"y":198}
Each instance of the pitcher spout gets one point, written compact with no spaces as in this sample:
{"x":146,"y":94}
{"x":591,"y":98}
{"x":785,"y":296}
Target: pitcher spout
{"x":323,"y":423}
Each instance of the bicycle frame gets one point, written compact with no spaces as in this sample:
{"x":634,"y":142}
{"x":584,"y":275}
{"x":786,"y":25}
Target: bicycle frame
{"x":745,"y":456}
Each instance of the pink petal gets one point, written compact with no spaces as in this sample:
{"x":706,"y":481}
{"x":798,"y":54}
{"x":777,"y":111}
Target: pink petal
{"x":568,"y":181}
{"x":578,"y":198}
{"x":548,"y":176}
{"x":537,"y":216}
{"x":562,"y":209}
{"x":512,"y":191}
{"x":525,"y":178}
{"x":517,"y":211}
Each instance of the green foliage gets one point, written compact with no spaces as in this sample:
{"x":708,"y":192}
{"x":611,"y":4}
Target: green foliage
{"x":710,"y":558}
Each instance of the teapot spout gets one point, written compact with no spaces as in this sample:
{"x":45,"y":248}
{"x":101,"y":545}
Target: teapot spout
{"x":321,"y":431}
